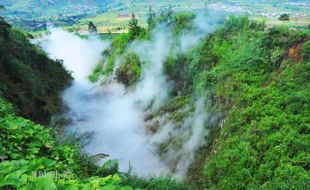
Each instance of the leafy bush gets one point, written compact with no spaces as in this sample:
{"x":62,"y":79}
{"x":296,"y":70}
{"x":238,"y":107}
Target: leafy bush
{"x":155,"y":183}
{"x":306,"y":50}
{"x":28,"y":150}
{"x":129,"y":70}
{"x":23,"y":174}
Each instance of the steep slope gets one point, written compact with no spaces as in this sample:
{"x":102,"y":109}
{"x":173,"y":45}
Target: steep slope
{"x":263,"y":96}
{"x":257,"y":100}
{"x":29,"y":80}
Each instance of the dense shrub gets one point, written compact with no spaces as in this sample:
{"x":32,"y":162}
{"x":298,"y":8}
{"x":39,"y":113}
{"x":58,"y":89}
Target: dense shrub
{"x":129,"y":70}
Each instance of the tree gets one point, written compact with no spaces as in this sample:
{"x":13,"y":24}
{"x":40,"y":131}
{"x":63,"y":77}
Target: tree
{"x":170,"y":13}
{"x":150,"y":17}
{"x":134,"y":28}
{"x":5,"y":28}
{"x":92,"y":28}
{"x":129,"y":70}
{"x":284,"y":17}
{"x":2,"y":7}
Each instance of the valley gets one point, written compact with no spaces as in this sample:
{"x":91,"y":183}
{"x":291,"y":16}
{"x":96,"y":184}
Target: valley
{"x":165,"y":95}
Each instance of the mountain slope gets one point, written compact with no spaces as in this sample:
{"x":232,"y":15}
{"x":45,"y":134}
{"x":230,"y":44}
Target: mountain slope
{"x":50,"y":3}
{"x":256,"y":81}
{"x":29,"y":80}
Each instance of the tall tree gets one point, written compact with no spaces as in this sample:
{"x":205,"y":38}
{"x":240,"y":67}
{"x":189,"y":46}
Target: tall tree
{"x":134,"y":28}
{"x":2,"y":7}
{"x":166,"y":14}
{"x":92,"y":28}
{"x":150,"y":17}
{"x":5,"y":28}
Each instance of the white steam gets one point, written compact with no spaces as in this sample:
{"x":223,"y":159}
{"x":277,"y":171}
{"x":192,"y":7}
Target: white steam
{"x":79,"y":55}
{"x":153,"y":86}
{"x":116,"y":115}
{"x":203,"y":25}
{"x":111,"y":113}
{"x":183,"y":139}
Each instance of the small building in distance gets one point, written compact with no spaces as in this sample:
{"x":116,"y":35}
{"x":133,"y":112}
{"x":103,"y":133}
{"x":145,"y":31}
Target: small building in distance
{"x":123,"y":16}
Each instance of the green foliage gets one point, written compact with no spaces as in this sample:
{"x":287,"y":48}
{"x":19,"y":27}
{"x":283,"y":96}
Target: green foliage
{"x":258,"y":96}
{"x":24,"y":174}
{"x":134,"y":28}
{"x":94,"y":77}
{"x":151,"y":15}
{"x":118,"y":47}
{"x":182,"y":22}
{"x":29,"y":80}
{"x":2,"y":7}
{"x":5,"y":29}
{"x":265,"y":135}
{"x":305,"y":52}
{"x":92,"y":27}
{"x":5,"y":108}
{"x":284,"y":17}
{"x":263,"y":101}
{"x":264,"y":97}
{"x":22,"y":139}
{"x":166,"y":15}
{"x":32,"y":159}
{"x":155,"y":183}
{"x":108,"y":168}
{"x":129,"y":70}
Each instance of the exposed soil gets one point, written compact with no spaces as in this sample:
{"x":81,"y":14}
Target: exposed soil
{"x":295,"y":52}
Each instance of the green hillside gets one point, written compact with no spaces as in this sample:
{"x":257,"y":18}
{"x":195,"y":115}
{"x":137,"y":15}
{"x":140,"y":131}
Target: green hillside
{"x":23,"y":5}
{"x":29,"y":80}
{"x":258,"y":86}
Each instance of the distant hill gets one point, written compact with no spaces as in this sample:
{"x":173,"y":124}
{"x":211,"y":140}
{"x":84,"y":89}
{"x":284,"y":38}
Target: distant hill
{"x":23,"y":13}
{"x":24,"y":4}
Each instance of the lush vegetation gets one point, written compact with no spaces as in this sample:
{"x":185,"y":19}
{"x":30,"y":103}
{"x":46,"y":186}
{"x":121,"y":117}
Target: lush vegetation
{"x":33,"y":159}
{"x":129,"y":70}
{"x":29,"y":80}
{"x":257,"y":81}
{"x":264,"y":95}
